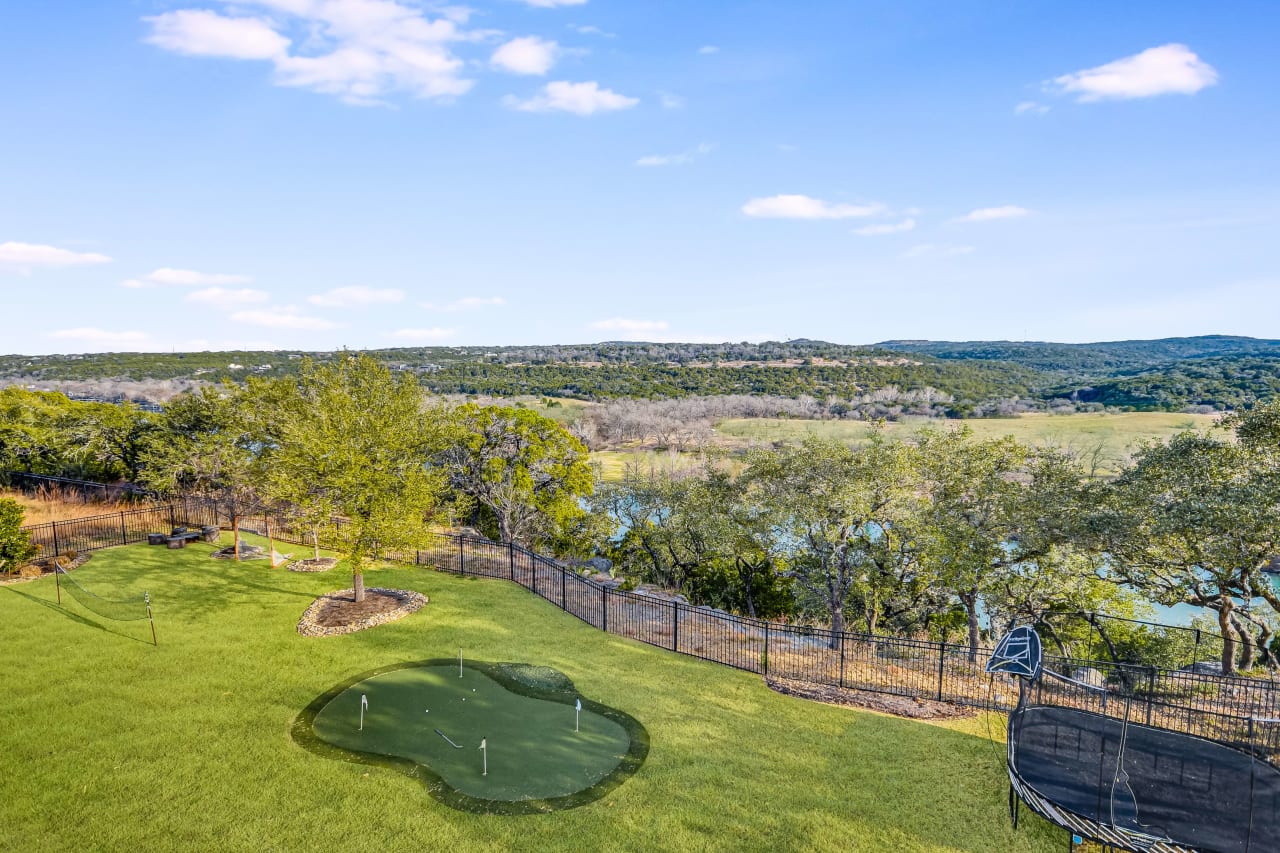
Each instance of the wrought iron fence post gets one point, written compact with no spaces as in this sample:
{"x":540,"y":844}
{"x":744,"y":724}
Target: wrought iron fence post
{"x":462,"y":556}
{"x":604,"y":609}
{"x":1151,"y":691}
{"x":1195,"y":653}
{"x":942,"y":660}
{"x":765,"y":667}
{"x":840,"y":677}
{"x":124,"y":536}
{"x":511,"y":552}
{"x":675,"y":626}
{"x":55,"y":539}
{"x":563,"y":585}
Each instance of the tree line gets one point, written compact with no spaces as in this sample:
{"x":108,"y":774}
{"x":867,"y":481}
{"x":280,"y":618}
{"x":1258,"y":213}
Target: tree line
{"x":931,"y":535}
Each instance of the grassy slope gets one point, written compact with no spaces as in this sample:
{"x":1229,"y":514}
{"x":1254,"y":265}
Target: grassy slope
{"x":109,"y":743}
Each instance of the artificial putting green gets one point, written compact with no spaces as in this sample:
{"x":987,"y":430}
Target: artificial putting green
{"x":430,"y":717}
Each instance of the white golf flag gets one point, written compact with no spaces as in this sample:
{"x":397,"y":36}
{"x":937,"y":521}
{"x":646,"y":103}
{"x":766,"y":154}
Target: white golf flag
{"x":578,"y":706}
{"x":484,"y":743}
{"x":364,"y":701}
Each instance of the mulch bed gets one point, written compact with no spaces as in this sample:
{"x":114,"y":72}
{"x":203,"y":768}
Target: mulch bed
{"x":885,"y":703}
{"x":340,"y":613}
{"x":321,"y":564}
{"x":42,"y":567}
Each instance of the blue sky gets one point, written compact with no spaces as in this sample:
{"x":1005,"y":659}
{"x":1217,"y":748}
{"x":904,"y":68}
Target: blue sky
{"x":369,"y":173}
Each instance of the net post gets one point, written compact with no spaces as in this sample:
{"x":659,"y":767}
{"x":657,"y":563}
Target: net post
{"x":147,"y":598}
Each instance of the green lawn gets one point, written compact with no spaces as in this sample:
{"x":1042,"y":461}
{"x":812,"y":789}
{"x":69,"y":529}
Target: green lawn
{"x":109,"y":743}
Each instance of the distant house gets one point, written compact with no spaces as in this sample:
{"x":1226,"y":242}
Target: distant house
{"x":234,"y":366}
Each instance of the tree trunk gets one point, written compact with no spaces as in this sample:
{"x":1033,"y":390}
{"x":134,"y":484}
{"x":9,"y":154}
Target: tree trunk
{"x":837,"y":624}
{"x":315,"y":541}
{"x":1228,"y":636}
{"x":357,"y":583}
{"x":235,"y":535}
{"x":970,"y":602}
{"x":1106,"y":638}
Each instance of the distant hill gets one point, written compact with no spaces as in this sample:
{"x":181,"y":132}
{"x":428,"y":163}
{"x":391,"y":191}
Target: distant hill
{"x":969,"y":377}
{"x":1094,"y":358}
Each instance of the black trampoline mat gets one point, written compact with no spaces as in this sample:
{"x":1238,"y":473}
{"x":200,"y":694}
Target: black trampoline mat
{"x":1190,"y":790}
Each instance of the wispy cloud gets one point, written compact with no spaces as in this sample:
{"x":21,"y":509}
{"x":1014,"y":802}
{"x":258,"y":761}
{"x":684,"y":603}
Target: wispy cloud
{"x":25,"y":257}
{"x":359,"y":50}
{"x":670,"y":101}
{"x":582,"y":99}
{"x":99,"y":337}
{"x":525,"y":55}
{"x":591,"y":30}
{"x":422,"y":336}
{"x":990,"y":214}
{"x":1034,"y":108}
{"x":466,"y":303}
{"x":935,"y":250}
{"x":220,"y":297}
{"x":287,"y":317}
{"x":680,"y":159}
{"x":907,"y":224}
{"x":708,"y":50}
{"x":184,"y":278}
{"x":806,"y":207}
{"x":351,"y":297}
{"x":552,"y":4}
{"x":1171,"y":69}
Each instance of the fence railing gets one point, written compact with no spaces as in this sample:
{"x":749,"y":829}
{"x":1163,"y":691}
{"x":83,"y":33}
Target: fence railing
{"x":1208,"y":705}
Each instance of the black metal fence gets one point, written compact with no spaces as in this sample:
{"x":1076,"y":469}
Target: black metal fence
{"x":1199,"y":703}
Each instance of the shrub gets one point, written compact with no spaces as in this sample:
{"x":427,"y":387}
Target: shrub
{"x":16,"y":547}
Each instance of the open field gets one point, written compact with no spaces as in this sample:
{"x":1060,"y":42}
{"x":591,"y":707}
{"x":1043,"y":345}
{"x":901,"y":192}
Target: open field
{"x":57,"y":505}
{"x":1106,"y":438}
{"x":187,"y":746}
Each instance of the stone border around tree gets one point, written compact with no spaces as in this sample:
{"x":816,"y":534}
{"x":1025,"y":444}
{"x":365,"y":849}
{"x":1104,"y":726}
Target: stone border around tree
{"x":323,"y":564}
{"x":410,"y":602}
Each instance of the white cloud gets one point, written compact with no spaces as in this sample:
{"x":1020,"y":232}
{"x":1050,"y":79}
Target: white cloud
{"x":670,"y":101}
{"x":708,"y":50}
{"x":283,"y":318}
{"x":680,"y":159}
{"x":580,"y":98}
{"x":805,"y":207}
{"x":1170,"y":69}
{"x":424,"y":336}
{"x":935,"y":250}
{"x":358,"y":50}
{"x":591,"y":30}
{"x":1030,"y":108}
{"x":551,"y":4}
{"x":466,"y":303}
{"x":99,"y":337}
{"x":185,"y":278}
{"x":220,"y":297}
{"x":26,"y":256}
{"x":525,"y":55}
{"x":989,"y":214}
{"x":907,"y":224}
{"x":199,"y":32}
{"x":347,"y":297}
{"x":629,"y":326}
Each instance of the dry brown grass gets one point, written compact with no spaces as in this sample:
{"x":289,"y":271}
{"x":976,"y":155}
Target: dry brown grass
{"x":55,"y":504}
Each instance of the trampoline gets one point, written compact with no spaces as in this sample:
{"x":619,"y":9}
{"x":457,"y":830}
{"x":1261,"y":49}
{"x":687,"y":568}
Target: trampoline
{"x":1080,"y":756}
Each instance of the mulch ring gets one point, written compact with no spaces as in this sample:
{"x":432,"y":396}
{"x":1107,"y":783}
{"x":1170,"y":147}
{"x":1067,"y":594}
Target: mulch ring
{"x":315,"y":564}
{"x":885,"y":703}
{"x":340,"y":613}
{"x":44,"y":566}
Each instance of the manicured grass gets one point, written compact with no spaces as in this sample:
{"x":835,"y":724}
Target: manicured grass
{"x":109,"y":743}
{"x":533,"y":748}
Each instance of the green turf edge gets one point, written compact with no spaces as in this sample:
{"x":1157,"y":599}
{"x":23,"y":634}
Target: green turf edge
{"x":303,"y":732}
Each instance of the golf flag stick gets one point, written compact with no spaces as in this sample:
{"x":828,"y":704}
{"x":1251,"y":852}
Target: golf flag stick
{"x":459,"y":663}
{"x":577,"y":711}
{"x":484,"y":755}
{"x":364,"y":703}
